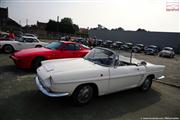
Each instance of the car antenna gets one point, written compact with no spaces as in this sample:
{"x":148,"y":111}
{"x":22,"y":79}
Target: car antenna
{"x":131,"y":57}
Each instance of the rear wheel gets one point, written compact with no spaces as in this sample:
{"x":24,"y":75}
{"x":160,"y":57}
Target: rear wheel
{"x":8,"y":49}
{"x":146,"y":84}
{"x":83,"y":95}
{"x":37,"y":62}
{"x":38,"y":46}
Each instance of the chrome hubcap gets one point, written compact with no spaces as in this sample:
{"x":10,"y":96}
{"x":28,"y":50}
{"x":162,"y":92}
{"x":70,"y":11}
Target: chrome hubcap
{"x":85,"y":94}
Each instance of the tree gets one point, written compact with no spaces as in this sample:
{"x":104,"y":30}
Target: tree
{"x":64,"y":26}
{"x":67,"y":26}
{"x":118,"y":29}
{"x":51,"y":26}
{"x":141,"y":30}
{"x":67,"y":20}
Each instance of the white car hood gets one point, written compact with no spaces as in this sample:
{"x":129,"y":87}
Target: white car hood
{"x":64,"y":65}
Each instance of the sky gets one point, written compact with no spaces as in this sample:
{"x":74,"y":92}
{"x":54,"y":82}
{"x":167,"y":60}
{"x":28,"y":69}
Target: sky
{"x":128,"y":14}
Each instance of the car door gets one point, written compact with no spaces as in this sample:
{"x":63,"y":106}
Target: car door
{"x":69,"y":51}
{"x":18,"y":44}
{"x":124,"y":77}
{"x":78,"y":51}
{"x":29,"y":43}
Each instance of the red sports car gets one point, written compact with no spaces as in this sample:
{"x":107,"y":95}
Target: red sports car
{"x":31,"y":58}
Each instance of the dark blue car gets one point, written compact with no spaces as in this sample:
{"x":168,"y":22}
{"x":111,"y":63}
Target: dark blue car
{"x":151,"y":50}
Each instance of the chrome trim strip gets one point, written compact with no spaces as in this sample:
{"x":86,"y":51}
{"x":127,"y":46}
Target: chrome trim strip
{"x":162,"y":77}
{"x":43,"y":90}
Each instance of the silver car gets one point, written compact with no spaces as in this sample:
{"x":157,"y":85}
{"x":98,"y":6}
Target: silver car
{"x":167,"y":52}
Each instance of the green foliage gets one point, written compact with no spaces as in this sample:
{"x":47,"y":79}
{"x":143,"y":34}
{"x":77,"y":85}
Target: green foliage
{"x":66,"y":21}
{"x":64,"y":26}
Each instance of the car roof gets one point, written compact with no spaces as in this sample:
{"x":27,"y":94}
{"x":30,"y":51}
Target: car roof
{"x":168,"y":47}
{"x":152,"y":46}
{"x":27,"y":37}
{"x":140,"y":44}
{"x":118,"y":42}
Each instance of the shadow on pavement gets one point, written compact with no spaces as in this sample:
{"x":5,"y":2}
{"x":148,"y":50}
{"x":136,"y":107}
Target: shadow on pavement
{"x":13,"y":69}
{"x":34,"y":105}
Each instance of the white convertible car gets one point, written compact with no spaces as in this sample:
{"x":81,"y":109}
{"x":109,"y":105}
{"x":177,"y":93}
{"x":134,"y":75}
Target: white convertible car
{"x":21,"y":43}
{"x":100,"y":72}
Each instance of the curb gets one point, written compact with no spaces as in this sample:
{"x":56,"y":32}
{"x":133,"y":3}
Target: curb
{"x":166,"y":83}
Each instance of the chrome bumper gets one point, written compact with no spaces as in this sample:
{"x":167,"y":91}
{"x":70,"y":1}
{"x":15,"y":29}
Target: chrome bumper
{"x":162,"y":77}
{"x":46,"y":92}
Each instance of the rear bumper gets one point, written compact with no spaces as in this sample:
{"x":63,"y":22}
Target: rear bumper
{"x":46,"y":92}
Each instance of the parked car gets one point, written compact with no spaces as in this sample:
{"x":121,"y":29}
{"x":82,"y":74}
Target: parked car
{"x":107,"y":44}
{"x":100,"y":72}
{"x":117,"y":44}
{"x":31,"y":58}
{"x":20,"y":43}
{"x":127,"y":46}
{"x":98,"y":42}
{"x":6,"y":36}
{"x":79,"y":40}
{"x":167,"y":52}
{"x":138,"y":48}
{"x":151,"y":50}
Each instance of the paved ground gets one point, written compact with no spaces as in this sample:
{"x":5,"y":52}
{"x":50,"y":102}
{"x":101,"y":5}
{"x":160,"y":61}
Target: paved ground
{"x":20,"y":100}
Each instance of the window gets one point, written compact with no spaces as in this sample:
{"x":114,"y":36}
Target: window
{"x":101,"y":57}
{"x":30,"y":40}
{"x":54,"y":45}
{"x":19,"y":39}
{"x":69,"y":47}
{"x":77,"y":47}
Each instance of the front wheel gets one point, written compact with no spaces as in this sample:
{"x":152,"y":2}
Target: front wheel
{"x":82,"y":95}
{"x":146,"y":84}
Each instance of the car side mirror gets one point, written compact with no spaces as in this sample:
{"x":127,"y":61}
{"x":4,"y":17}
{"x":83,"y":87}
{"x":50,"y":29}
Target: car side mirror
{"x":116,"y":62}
{"x":143,"y":63}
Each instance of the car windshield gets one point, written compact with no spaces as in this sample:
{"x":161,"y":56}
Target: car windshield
{"x":54,"y":45}
{"x":100,"y":56}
